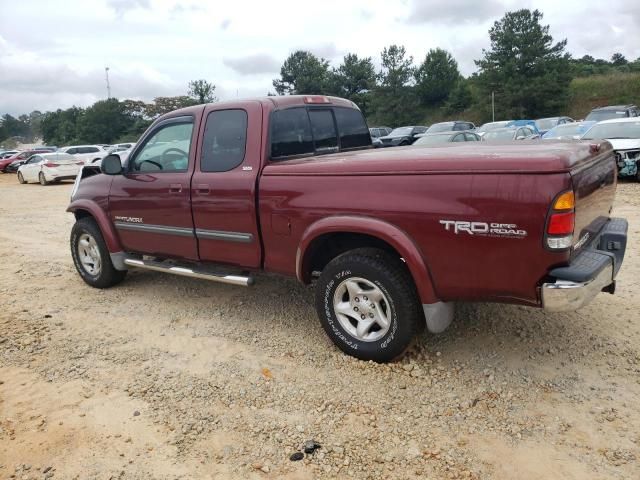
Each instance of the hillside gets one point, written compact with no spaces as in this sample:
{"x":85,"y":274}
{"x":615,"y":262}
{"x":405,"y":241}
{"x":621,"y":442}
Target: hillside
{"x":598,"y":90}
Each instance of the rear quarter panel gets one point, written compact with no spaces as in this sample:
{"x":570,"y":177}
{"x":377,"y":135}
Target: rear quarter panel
{"x":462,"y":266}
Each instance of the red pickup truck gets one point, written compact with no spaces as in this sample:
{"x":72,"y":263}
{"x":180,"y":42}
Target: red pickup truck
{"x":391,"y":237}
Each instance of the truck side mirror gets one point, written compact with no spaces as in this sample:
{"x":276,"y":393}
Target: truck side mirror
{"x":111,"y":165}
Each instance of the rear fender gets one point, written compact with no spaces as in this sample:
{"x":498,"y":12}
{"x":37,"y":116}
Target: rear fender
{"x":382,"y":230}
{"x":99,"y":215}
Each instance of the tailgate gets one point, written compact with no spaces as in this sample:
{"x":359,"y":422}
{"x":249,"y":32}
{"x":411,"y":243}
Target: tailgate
{"x":594,"y":184}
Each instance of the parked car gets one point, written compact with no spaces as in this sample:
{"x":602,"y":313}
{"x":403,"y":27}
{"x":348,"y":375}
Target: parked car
{"x":49,"y":167}
{"x":456,"y":125}
{"x":613,"y":111}
{"x":511,"y":133}
{"x":566,"y":131}
{"x":486,"y":127}
{"x":624,"y":136}
{"x":5,"y":162}
{"x":87,"y":153}
{"x":445,"y":137}
{"x":453,"y":222}
{"x":545,"y":124}
{"x":402,"y":136}
{"x":8,"y":153}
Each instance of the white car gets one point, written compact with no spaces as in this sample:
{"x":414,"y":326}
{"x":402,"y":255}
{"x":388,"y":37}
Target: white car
{"x":624,"y":136}
{"x":49,"y":167}
{"x":87,"y":153}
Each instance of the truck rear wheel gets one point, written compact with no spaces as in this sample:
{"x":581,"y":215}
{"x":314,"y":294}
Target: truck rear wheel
{"x":91,"y":256}
{"x":368,"y":305}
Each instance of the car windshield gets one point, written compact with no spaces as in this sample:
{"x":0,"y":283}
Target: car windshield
{"x":440,"y":127}
{"x":432,"y":139}
{"x":487,"y":127}
{"x":614,"y":130}
{"x":499,"y":135}
{"x":600,"y":115}
{"x":546,"y":123}
{"x":564,"y":131}
{"x":397,"y":132}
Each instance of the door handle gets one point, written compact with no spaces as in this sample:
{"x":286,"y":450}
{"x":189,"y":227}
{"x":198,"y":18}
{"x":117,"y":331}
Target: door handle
{"x":175,"y":188}
{"x":203,"y":188}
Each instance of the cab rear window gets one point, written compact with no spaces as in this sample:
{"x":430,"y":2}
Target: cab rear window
{"x":313,"y":131}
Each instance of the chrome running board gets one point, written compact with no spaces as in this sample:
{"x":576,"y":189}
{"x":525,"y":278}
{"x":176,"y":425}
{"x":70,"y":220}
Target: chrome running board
{"x":241,"y":280}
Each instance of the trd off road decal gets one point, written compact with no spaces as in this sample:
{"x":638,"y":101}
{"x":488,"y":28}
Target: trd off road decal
{"x":484,"y":229}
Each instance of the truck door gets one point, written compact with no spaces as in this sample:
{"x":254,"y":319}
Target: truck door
{"x":224,"y":185}
{"x":150,"y":203}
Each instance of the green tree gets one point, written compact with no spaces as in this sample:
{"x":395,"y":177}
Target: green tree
{"x":395,"y":98}
{"x":303,"y":73}
{"x":104,"y":122}
{"x":528,"y":72}
{"x":460,"y":97}
{"x":202,"y":91}
{"x":436,"y":76}
{"x":618,"y":59}
{"x":61,"y":127}
{"x":162,"y":105}
{"x":354,"y":79}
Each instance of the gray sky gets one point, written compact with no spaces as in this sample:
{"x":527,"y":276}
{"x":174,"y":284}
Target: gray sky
{"x":53,"y":52}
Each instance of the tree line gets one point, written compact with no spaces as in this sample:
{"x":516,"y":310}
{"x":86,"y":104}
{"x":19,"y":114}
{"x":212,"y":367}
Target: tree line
{"x":525,"y":69}
{"x":106,"y":121}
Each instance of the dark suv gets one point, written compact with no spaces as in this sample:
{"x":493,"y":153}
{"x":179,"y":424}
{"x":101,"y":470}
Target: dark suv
{"x":613,"y":111}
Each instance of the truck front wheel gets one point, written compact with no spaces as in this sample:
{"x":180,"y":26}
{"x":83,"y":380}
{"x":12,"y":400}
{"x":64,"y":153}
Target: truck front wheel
{"x":91,"y":256}
{"x":368,"y":305}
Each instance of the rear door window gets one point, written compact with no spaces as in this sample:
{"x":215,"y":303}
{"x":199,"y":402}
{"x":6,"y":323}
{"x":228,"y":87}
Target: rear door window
{"x":353,"y":129}
{"x":224,"y":141}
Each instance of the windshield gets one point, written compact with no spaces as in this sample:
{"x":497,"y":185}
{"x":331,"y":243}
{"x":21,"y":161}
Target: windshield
{"x":614,"y":130}
{"x":600,"y":115}
{"x":499,"y":135}
{"x":487,"y":127}
{"x":397,"y":132}
{"x":440,"y":127}
{"x":564,"y":131}
{"x":432,"y":139}
{"x":546,"y":123}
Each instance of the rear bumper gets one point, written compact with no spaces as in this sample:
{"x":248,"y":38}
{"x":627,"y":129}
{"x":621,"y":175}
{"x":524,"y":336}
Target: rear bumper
{"x":591,"y":271}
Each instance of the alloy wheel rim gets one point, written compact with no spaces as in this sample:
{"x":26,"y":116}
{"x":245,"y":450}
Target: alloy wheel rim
{"x":362,"y":309}
{"x":89,"y":255}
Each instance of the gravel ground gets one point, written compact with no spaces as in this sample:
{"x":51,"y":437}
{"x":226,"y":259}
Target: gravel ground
{"x":166,"y":377}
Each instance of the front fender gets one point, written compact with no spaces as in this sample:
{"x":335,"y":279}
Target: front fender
{"x":380,"y":229}
{"x":106,"y":227}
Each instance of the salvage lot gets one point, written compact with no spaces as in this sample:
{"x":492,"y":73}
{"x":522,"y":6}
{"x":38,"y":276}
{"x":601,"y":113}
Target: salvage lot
{"x":167,"y":377}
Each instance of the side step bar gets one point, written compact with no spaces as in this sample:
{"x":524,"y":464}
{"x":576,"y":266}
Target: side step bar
{"x":187,"y":272}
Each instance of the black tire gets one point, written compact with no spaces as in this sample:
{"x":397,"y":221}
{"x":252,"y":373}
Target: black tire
{"x":21,"y":178}
{"x":108,"y":276}
{"x":43,"y":181}
{"x":390,"y":275}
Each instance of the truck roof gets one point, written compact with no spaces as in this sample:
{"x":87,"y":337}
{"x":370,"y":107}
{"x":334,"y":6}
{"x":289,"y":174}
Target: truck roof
{"x":273,"y":102}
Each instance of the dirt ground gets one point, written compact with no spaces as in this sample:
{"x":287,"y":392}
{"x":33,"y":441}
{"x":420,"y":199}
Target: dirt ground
{"x":166,"y":377}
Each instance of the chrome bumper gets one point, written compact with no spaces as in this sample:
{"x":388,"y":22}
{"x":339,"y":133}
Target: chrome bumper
{"x":563,"y":295}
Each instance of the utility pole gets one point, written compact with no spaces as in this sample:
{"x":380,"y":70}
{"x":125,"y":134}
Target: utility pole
{"x":493,"y":107}
{"x":106,"y":74}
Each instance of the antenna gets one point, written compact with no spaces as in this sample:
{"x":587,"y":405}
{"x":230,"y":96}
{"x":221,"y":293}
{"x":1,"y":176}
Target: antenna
{"x":106,"y":74}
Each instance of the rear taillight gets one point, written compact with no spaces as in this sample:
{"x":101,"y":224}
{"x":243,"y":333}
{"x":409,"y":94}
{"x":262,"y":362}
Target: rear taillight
{"x":561,"y":222}
{"x":51,"y":164}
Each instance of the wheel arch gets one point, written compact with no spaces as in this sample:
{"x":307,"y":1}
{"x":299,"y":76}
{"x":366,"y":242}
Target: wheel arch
{"x":88,"y":208}
{"x":331,"y":236}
